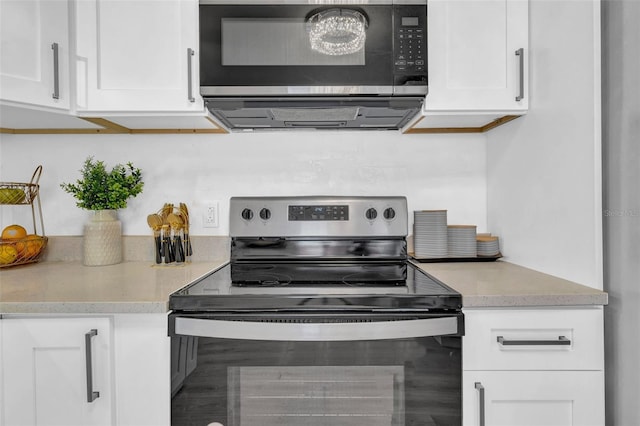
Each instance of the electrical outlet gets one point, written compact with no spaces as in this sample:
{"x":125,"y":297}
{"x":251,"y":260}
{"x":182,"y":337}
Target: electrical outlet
{"x":211,"y":215}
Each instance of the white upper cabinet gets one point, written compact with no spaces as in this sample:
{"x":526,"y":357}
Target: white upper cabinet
{"x":137,"y":56}
{"x":477,"y":55}
{"x":34,"y":53}
{"x":478,"y":65}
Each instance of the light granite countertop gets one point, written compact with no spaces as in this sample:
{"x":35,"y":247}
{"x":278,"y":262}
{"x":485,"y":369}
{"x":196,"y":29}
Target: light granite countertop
{"x":504,"y":284}
{"x":143,"y":287}
{"x":70,"y":287}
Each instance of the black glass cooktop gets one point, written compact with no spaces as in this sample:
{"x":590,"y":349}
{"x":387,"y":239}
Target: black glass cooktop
{"x":303,"y":286}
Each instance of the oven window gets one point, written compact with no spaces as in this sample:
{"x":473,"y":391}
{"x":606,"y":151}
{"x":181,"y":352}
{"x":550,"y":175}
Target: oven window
{"x":274,"y":42}
{"x":368,"y":383}
{"x":271,"y":396}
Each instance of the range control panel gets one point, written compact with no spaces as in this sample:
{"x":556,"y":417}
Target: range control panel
{"x":318,"y":216}
{"x":319,"y":212}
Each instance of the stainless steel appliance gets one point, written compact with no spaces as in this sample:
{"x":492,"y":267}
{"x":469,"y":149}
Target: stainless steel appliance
{"x":309,"y":64}
{"x":318,"y":319}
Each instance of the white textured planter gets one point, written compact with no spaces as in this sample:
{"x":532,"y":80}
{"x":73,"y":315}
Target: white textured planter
{"x":102,"y":243}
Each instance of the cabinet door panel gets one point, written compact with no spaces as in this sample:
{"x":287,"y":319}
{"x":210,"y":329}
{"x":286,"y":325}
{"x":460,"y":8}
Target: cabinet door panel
{"x":28,"y":29}
{"x":134,"y":56}
{"x":543,"y":398}
{"x":472,"y":55}
{"x":45,"y":377}
{"x":125,"y":58}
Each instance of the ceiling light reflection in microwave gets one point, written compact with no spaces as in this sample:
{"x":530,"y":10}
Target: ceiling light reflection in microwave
{"x":337,"y":31}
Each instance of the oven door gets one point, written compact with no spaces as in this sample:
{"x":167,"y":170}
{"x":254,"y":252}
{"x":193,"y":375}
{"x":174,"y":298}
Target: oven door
{"x":315,"y":369}
{"x":252,"y":49}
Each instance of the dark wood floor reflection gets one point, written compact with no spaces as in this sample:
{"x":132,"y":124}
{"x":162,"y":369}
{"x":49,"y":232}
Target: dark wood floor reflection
{"x":418,"y":383}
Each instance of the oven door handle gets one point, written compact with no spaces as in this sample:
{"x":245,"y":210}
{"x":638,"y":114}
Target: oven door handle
{"x":316,"y":332}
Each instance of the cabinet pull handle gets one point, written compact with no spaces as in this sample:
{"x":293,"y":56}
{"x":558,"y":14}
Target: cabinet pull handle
{"x":480,"y":390}
{"x":56,"y":72}
{"x":562,"y":341}
{"x":520,"y":53}
{"x":91,"y":394}
{"x":190,"y":54}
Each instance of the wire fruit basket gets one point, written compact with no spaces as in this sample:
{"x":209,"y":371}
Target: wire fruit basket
{"x":17,"y":247}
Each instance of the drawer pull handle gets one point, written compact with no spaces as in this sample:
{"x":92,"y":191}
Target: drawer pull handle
{"x":480,"y":390}
{"x":56,"y":71}
{"x":190,"y":53}
{"x":562,"y":341}
{"x":520,"y":54}
{"x":91,"y":394}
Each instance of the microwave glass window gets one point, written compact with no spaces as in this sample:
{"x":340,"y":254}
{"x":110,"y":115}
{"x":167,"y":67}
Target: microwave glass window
{"x":275,"y":42}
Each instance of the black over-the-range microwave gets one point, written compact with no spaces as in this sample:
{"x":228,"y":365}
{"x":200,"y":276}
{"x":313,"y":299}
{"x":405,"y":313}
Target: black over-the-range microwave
{"x":308,"y":47}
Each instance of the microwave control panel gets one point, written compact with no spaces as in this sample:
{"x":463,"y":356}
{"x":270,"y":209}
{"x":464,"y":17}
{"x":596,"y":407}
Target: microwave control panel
{"x":410,"y":44}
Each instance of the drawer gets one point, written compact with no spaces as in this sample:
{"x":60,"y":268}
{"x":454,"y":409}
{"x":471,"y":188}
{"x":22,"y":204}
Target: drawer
{"x":533,"y":339}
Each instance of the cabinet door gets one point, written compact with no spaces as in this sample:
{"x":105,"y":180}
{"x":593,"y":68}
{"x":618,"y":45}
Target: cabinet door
{"x":34,"y":62}
{"x":136,"y":55}
{"x":47,"y":374}
{"x":473,"y":64}
{"x":534,"y":398}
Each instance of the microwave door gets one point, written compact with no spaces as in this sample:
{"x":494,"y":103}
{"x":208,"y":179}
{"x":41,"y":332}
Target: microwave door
{"x":269,"y":49}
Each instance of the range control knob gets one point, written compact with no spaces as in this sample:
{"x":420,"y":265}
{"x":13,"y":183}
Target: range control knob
{"x":247,"y":214}
{"x":371,"y":213}
{"x":389,"y":213}
{"x":265,"y":214}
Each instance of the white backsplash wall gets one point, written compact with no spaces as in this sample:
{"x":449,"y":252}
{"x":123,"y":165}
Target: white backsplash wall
{"x":432,"y":171}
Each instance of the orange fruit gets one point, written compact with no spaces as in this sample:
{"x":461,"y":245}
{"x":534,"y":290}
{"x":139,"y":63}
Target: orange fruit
{"x":29,"y":247}
{"x":8,"y":254}
{"x":13,"y":232}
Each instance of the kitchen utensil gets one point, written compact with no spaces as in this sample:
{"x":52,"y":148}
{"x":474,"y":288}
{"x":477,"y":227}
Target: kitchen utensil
{"x":167,"y":209}
{"x":176,"y":223}
{"x":155,"y":223}
{"x":167,"y":249}
{"x":188,"y":250}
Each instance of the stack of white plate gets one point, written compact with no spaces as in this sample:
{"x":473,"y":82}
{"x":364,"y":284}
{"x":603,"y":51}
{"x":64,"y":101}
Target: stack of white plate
{"x":462,"y":240}
{"x":488,"y":245}
{"x":430,"y":233}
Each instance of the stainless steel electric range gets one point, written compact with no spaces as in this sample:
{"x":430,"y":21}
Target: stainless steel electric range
{"x":318,"y":319}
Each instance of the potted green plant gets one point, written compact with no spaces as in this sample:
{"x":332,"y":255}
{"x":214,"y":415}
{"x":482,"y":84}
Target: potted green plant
{"x":104,"y":192}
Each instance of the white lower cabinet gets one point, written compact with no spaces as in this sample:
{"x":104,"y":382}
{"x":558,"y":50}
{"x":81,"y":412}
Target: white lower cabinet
{"x":533,"y":367}
{"x":85,"y":370}
{"x":533,"y":398}
{"x":57,"y":371}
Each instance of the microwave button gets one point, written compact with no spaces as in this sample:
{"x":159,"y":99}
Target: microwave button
{"x":401,"y":63}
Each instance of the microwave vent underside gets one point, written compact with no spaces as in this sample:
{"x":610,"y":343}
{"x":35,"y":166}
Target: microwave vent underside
{"x":314,"y":114}
{"x":239,"y":114}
